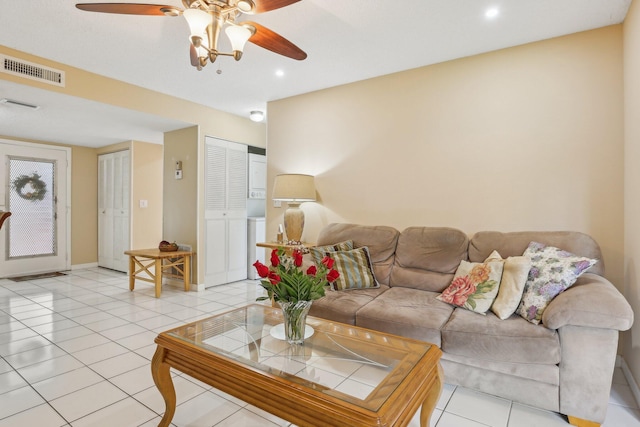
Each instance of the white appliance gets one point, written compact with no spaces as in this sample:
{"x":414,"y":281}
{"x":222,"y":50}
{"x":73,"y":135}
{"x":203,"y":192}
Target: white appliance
{"x":257,"y":176}
{"x":256,"y":232}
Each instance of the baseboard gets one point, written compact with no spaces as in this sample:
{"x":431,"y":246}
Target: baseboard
{"x":84,"y":266}
{"x":620,"y":362}
{"x":180,"y":284}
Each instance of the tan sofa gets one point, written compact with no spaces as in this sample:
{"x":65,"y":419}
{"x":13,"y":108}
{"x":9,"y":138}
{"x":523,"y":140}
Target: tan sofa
{"x":565,"y":364}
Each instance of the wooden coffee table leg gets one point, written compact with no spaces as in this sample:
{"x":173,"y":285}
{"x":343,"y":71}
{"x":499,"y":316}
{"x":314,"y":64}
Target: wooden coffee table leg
{"x":162,"y":377}
{"x":431,"y":401}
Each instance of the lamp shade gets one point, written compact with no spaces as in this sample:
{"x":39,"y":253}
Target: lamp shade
{"x":294,"y":188}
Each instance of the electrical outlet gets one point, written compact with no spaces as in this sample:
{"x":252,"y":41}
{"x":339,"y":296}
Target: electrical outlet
{"x":179,"y":174}
{"x":277,"y":203}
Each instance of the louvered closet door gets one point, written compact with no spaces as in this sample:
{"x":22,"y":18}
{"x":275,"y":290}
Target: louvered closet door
{"x":225,"y":212}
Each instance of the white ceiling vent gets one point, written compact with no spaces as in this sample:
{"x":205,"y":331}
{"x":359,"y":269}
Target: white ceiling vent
{"x":29,"y":70}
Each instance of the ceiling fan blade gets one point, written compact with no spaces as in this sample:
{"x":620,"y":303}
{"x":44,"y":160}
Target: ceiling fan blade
{"x":274,"y":42}
{"x":267,"y":5}
{"x":129,"y":8}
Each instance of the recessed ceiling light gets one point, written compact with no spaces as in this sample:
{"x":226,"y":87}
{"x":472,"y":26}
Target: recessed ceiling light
{"x":256,"y":116}
{"x":280,"y":73}
{"x":492,"y":13}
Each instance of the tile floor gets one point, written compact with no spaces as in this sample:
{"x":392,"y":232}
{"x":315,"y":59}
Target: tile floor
{"x":75,"y":351}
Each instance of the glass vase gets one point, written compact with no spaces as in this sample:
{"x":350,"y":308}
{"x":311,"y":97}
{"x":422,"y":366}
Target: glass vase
{"x":295,"y":320}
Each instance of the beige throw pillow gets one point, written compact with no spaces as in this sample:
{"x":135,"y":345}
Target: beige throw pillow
{"x":514,"y":276}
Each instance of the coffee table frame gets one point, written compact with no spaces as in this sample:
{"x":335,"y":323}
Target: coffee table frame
{"x":292,"y":401}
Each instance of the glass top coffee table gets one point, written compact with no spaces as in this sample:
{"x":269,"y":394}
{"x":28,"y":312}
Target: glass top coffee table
{"x":341,"y":376}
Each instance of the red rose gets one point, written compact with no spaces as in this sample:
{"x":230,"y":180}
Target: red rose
{"x":311,"y":271}
{"x":274,"y":278}
{"x":332,"y":276}
{"x":263,"y":270}
{"x":328,"y":262}
{"x":297,"y":258}
{"x":275,"y":259}
{"x":459,"y":290}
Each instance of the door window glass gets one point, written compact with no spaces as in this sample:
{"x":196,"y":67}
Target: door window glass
{"x":32,"y":230}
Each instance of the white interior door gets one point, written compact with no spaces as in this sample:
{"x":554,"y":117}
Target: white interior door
{"x":114,"y":190}
{"x":34,"y":187}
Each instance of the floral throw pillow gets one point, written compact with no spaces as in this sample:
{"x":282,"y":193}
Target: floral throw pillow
{"x":552,"y":271}
{"x":474,"y":286}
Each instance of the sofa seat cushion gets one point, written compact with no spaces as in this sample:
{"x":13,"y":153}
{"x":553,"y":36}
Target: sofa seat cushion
{"x":408,"y":312}
{"x":513,"y":340}
{"x":342,"y":306}
{"x":549,"y":374}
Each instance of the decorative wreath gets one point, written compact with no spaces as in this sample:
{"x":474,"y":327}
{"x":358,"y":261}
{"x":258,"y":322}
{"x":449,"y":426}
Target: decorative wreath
{"x":37,"y":190}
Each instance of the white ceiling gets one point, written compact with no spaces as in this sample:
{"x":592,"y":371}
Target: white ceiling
{"x":346,"y":41}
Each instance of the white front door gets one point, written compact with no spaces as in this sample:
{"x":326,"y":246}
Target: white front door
{"x":34,"y":183}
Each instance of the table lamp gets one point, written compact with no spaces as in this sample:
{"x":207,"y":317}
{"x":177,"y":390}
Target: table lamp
{"x":294,"y":189}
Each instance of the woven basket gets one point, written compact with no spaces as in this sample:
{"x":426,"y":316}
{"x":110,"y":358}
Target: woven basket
{"x":168,"y":248}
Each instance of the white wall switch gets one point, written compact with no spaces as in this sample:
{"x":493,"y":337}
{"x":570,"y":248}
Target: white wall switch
{"x":144,"y":203}
{"x":277,"y":203}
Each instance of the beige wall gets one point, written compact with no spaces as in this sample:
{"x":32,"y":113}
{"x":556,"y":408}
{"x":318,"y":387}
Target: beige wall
{"x":146,"y":184}
{"x":180,"y":196}
{"x":84,"y":205}
{"x":631,"y":339}
{"x":526,"y":138}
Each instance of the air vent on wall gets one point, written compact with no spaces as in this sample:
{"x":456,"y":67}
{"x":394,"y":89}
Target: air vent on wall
{"x":29,"y":70}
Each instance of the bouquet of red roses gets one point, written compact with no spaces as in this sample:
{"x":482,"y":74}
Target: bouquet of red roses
{"x":285,"y":281}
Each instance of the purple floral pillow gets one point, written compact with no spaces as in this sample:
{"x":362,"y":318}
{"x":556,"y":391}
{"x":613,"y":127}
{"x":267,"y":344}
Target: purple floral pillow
{"x":552,"y":271}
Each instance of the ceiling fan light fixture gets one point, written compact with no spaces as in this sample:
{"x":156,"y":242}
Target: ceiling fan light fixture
{"x":207,"y":18}
{"x":256,"y":116}
{"x":238,"y":35}
{"x":198,"y":21}
{"x":246,"y":6}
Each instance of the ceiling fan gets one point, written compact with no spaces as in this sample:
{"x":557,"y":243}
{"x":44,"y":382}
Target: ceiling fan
{"x":206,"y":18}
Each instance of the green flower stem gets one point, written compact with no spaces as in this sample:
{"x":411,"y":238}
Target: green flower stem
{"x":295,"y":320}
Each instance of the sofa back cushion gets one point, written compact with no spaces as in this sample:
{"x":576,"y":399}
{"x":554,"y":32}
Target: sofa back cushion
{"x":380,"y":240}
{"x":515,"y":243}
{"x":428,"y":257}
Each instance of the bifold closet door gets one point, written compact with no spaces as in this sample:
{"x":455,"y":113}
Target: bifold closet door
{"x":225,"y":212}
{"x":114,"y":190}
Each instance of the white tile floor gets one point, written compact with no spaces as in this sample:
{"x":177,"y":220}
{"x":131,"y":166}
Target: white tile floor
{"x":75,"y":351}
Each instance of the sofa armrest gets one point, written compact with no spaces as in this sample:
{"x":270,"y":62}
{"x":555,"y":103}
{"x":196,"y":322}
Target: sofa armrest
{"x":592,"y":301}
